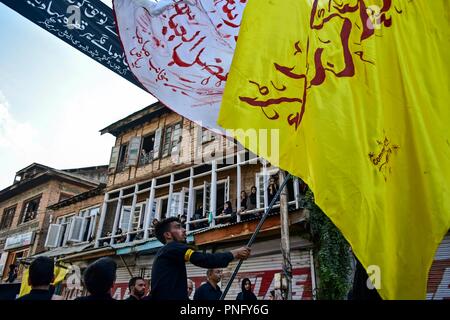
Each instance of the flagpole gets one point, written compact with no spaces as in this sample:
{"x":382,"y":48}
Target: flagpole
{"x":252,"y":239}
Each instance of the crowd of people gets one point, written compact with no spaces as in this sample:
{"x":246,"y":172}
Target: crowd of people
{"x":247,"y":201}
{"x":169,"y":277}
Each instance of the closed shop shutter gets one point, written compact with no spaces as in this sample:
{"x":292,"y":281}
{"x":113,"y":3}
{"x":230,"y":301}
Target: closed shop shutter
{"x":261,"y":270}
{"x":439,"y":276}
{"x":142,"y":268}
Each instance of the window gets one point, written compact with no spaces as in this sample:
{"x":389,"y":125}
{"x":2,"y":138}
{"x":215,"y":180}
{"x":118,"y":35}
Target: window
{"x":146,"y":155}
{"x":73,"y":228}
{"x":89,"y":224}
{"x":172,"y":139}
{"x":161,"y":209}
{"x":179,"y":203}
{"x":7,"y":217}
{"x":65,"y":223}
{"x":123,"y":156}
{"x":30,"y":209}
{"x":136,"y":220}
{"x":14,"y":258}
{"x":222,"y":195}
{"x":207,"y":135}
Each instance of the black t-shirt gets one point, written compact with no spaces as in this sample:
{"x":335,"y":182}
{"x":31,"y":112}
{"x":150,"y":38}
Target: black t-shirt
{"x":97,"y":297}
{"x":207,"y":292}
{"x":169,"y":276}
{"x":37,"y":295}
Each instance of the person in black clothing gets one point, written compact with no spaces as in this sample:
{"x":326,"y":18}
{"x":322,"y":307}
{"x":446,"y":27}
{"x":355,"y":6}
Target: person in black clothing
{"x":12,"y":275}
{"x":271,"y":190}
{"x":210,"y":290}
{"x":244,"y":201}
{"x":198,"y":214}
{"x":227,"y":210}
{"x":169,"y":276}
{"x":137,"y":286}
{"x":99,"y":278}
{"x":252,"y":199}
{"x":246,"y":294}
{"x":40,"y":275}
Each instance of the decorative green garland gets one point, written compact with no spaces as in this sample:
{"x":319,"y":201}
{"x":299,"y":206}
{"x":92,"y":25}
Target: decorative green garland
{"x":332,"y":252}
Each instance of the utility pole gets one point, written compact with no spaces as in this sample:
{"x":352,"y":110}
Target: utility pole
{"x":285,"y":240}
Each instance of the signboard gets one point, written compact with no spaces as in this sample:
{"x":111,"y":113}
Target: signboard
{"x":20,"y":240}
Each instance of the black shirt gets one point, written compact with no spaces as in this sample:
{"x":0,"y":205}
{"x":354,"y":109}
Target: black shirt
{"x":106,"y":296}
{"x":248,"y":295}
{"x":169,"y":276}
{"x":132,"y":298}
{"x":207,"y":292}
{"x":37,"y":295}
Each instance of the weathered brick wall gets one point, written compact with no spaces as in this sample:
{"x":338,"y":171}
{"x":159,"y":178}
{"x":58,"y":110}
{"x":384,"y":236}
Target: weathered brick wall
{"x":50,"y":193}
{"x":52,"y":215}
{"x":166,"y":165}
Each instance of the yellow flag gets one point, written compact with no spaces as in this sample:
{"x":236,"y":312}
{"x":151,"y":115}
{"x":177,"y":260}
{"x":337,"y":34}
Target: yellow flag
{"x":25,"y":288}
{"x":359,"y":91}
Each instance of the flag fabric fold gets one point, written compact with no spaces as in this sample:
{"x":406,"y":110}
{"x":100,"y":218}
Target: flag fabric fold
{"x":181,"y":51}
{"x":359,"y":92}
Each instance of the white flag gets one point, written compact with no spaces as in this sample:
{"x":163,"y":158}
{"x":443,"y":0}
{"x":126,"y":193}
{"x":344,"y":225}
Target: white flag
{"x":181,"y":51}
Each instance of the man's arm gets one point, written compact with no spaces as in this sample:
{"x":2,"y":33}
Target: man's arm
{"x":215,"y":260}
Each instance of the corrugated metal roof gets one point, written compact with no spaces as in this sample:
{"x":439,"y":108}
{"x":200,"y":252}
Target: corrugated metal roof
{"x":63,"y":251}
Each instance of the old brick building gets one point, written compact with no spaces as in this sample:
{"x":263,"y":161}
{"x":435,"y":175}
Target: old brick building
{"x":24,"y":218}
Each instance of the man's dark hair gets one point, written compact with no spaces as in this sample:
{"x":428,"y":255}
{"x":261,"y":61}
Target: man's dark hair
{"x":164,"y":226}
{"x":41,"y":272}
{"x":133,"y":280}
{"x":99,"y":276}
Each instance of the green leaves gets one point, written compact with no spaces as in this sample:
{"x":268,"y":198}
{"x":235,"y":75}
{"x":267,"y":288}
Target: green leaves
{"x":332,"y":252}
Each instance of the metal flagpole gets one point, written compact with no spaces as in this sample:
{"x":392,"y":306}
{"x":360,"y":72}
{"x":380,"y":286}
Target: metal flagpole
{"x":252,"y":239}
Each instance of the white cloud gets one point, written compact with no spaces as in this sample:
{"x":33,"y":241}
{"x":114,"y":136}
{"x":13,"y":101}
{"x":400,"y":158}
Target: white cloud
{"x":15,"y":136}
{"x":18,"y":143}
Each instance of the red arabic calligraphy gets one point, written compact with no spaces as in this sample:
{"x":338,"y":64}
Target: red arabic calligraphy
{"x":321,"y":57}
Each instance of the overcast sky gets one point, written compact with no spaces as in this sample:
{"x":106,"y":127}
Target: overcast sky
{"x":54,"y":100}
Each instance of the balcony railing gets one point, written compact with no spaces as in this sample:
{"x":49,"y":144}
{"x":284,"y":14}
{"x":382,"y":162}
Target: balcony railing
{"x":184,"y":199}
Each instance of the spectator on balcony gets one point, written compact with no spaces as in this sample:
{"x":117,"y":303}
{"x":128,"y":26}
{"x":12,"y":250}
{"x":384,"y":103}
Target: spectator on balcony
{"x":143,"y":155}
{"x":246,"y":205}
{"x":152,"y":228}
{"x":227,"y":211}
{"x":183,"y":219}
{"x":121,"y":239}
{"x":272,"y":189}
{"x":251,"y":204}
{"x":198,"y":214}
{"x":244,"y":201}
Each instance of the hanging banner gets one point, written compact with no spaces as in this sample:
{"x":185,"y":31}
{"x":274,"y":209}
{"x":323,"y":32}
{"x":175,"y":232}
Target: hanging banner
{"x":87,"y":25}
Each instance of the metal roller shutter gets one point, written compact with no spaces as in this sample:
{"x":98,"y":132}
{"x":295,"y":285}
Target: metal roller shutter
{"x":261,"y":270}
{"x":439,"y":276}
